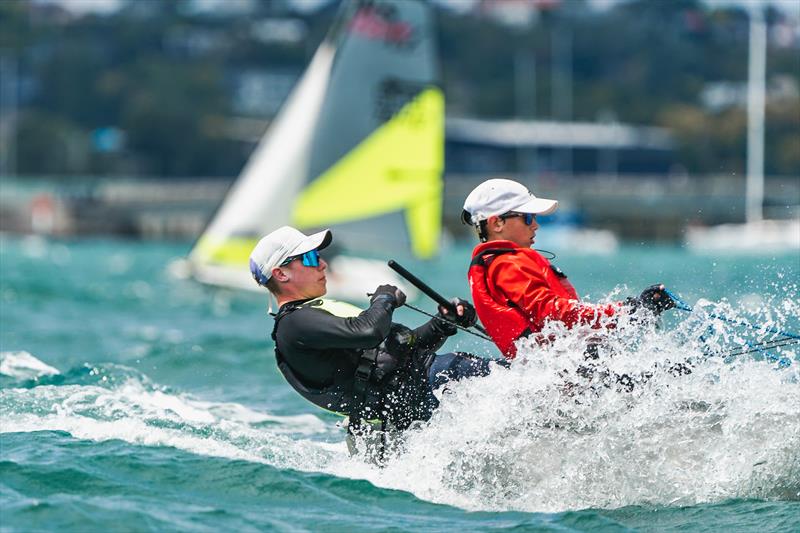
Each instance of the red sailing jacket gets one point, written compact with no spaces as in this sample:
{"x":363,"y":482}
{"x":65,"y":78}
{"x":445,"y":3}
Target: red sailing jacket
{"x":515,"y":291}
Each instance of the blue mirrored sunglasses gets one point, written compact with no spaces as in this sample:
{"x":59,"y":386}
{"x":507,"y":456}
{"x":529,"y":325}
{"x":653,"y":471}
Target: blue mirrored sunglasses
{"x":528,"y":217}
{"x":310,"y":259}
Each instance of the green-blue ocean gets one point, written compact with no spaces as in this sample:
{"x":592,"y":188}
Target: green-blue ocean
{"x":131,"y":400}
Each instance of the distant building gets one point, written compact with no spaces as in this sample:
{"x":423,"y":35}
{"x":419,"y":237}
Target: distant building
{"x":261,"y":92}
{"x":194,"y":42}
{"x":288,"y":31}
{"x":536,"y":146}
{"x":482,"y":146}
{"x":221,"y":8}
{"x":722,"y":95}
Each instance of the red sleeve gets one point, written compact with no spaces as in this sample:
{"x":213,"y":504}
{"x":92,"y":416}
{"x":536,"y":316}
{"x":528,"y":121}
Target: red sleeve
{"x":524,"y":284}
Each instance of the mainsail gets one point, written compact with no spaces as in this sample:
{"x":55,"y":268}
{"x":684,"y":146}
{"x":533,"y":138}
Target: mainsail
{"x":358,"y":146}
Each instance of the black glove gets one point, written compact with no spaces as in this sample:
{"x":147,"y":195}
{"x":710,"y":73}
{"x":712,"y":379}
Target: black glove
{"x":450,"y":314}
{"x":398,"y":296}
{"x":654,"y":298}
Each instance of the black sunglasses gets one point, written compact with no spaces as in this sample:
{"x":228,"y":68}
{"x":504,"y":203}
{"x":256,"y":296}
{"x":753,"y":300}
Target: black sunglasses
{"x":528,"y":217}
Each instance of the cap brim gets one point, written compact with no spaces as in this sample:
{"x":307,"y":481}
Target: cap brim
{"x":317,"y":241}
{"x":538,"y":206}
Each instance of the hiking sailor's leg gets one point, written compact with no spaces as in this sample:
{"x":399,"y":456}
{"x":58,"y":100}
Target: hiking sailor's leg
{"x":448,"y":367}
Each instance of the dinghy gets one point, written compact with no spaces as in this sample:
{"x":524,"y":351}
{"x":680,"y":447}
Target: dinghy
{"x":358,"y":147}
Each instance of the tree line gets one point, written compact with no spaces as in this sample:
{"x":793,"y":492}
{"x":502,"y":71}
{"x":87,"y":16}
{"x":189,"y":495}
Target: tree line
{"x":147,"y":90}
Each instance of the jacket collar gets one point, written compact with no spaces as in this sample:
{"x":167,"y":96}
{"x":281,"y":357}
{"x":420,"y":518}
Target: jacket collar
{"x":494,"y":244}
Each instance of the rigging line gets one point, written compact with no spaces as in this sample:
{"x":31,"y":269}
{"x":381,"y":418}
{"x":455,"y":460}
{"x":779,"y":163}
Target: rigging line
{"x":760,"y":347}
{"x":429,"y":292}
{"x":787,"y":342}
{"x":757,"y":347}
{"x":774,"y":343}
{"x":462,"y":328}
{"x":680,"y":304}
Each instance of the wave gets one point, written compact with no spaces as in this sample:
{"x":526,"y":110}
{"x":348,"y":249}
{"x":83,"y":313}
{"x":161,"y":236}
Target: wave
{"x":23,"y":365}
{"x":536,"y":437}
{"x":111,"y":401}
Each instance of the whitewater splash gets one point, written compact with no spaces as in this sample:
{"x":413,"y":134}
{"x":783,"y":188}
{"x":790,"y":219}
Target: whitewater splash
{"x":537,"y":437}
{"x":534,"y":437}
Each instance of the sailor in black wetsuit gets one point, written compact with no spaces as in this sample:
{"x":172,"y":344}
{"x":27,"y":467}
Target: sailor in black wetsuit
{"x":352,"y":361}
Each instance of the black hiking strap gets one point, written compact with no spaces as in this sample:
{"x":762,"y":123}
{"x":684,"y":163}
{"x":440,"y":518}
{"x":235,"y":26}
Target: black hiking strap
{"x":366,"y":366}
{"x":282,"y":312}
{"x":480,"y":258}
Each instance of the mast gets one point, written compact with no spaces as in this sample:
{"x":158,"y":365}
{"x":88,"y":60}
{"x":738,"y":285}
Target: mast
{"x":755,"y":115}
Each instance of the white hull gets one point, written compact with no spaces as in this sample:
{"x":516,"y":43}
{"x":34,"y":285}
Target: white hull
{"x":752,"y":237}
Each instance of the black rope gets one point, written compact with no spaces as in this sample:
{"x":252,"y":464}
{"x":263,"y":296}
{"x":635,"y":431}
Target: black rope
{"x":766,"y":345}
{"x":546,"y":253}
{"x":462,"y":328}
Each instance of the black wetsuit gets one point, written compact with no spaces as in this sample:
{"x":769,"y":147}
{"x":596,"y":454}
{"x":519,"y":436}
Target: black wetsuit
{"x":364,"y":365}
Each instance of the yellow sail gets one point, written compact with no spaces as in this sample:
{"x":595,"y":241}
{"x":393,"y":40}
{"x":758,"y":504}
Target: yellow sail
{"x":397,"y":168}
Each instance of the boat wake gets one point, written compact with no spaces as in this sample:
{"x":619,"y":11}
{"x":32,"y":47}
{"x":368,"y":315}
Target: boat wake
{"x":543,"y":435}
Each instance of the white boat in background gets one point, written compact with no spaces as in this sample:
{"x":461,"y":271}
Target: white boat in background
{"x":756,"y":235}
{"x":761,"y":236}
{"x":358,"y":147}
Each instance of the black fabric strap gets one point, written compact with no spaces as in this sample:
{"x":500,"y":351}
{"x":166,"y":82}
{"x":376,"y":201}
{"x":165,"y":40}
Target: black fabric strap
{"x":283,"y":311}
{"x":479,"y":259}
{"x":364,"y":370}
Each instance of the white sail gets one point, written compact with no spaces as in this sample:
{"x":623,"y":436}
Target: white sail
{"x":263,"y":195}
{"x":358,"y":147}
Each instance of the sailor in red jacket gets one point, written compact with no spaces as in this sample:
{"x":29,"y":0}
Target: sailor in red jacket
{"x":514,"y":289}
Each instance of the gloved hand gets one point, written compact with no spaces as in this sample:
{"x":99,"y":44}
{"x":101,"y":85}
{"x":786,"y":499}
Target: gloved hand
{"x":466,"y":319}
{"x":655,"y":298}
{"x":396,"y":294}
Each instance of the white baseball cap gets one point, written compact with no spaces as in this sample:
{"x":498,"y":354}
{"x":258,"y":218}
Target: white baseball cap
{"x":281,"y":244}
{"x":499,"y":196}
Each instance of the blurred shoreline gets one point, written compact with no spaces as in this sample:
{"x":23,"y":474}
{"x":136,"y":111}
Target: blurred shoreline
{"x":654,"y":208}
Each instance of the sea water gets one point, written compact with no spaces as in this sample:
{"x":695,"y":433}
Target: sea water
{"x":134,"y":401}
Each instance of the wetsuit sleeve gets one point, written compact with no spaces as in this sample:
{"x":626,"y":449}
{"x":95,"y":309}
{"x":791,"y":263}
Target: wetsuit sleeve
{"x":319,"y":329}
{"x":525,"y":286}
{"x":432,"y":334}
